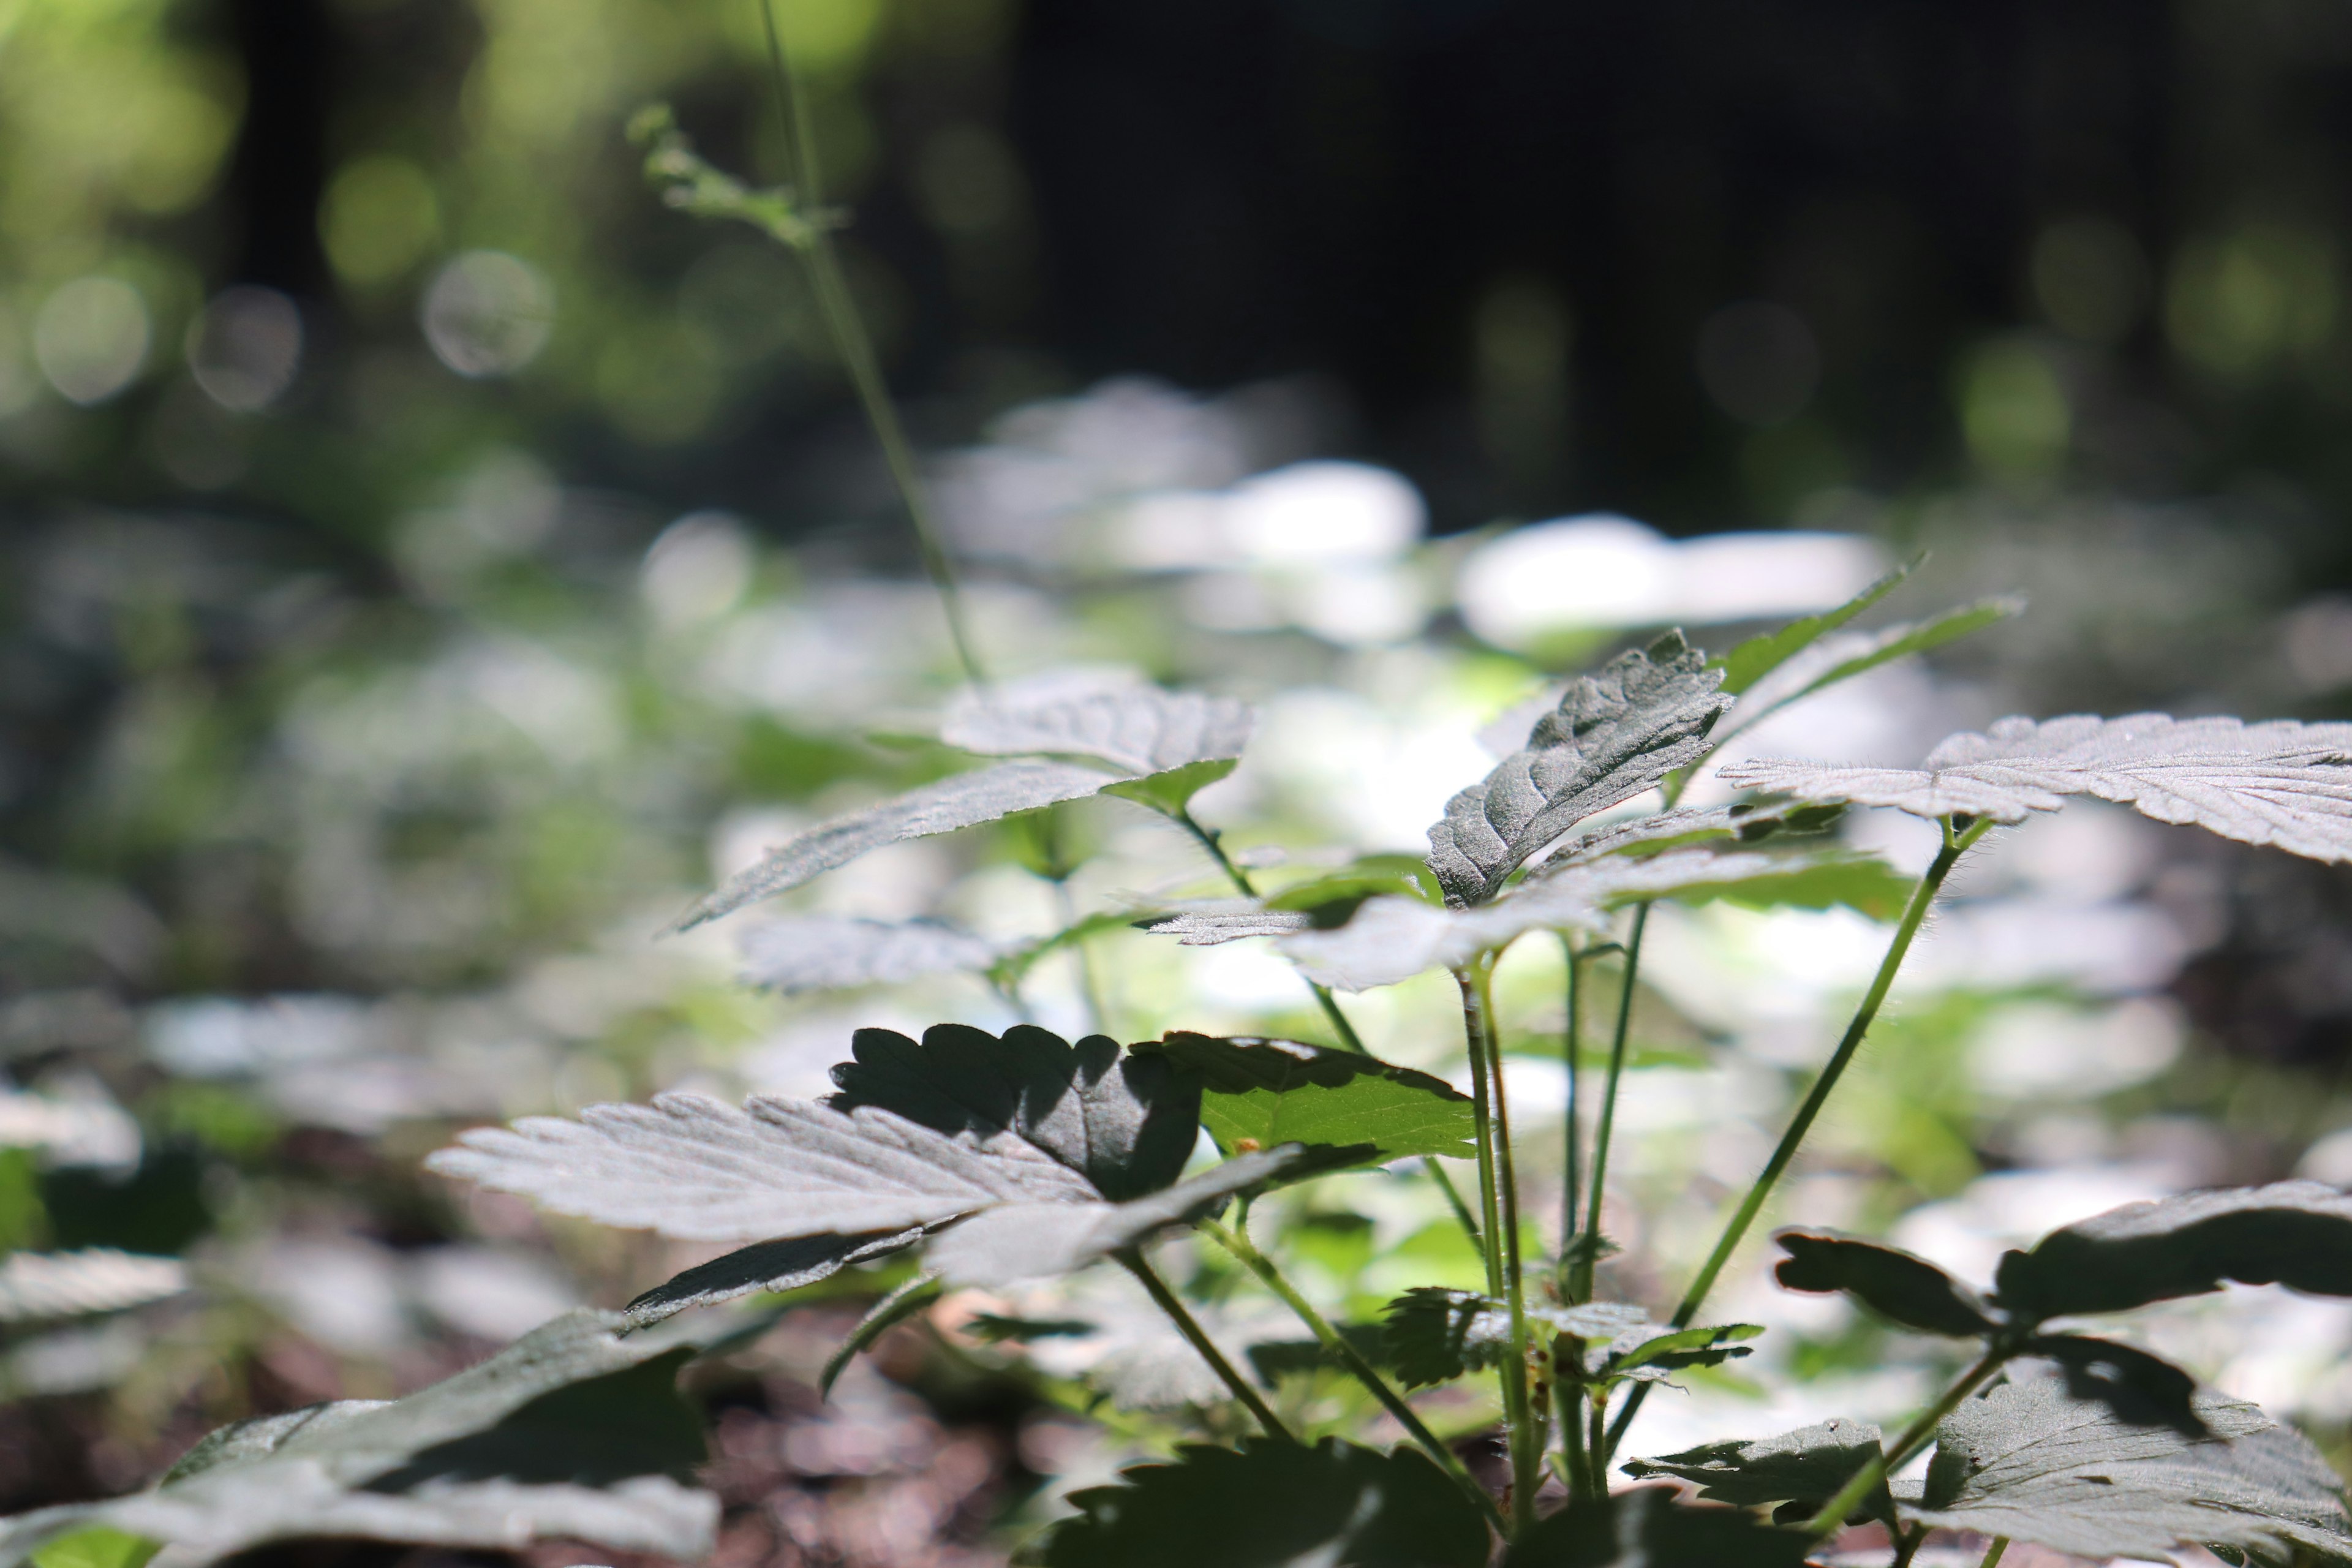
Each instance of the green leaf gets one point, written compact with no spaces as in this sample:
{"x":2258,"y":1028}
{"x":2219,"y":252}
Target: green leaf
{"x":2032,"y":1462}
{"x":98,"y":1547}
{"x":1171,"y":791}
{"x":885,"y":1314}
{"x":2296,"y":1234}
{"x":1817,"y":881}
{"x":1871,"y":650}
{"x":1752,"y":660}
{"x":1368,"y":875}
{"x":1894,"y":1284}
{"x":1257,"y":1093}
{"x":1682,"y":1348}
{"x":1807,"y":1467}
{"x":1647,"y":1528}
{"x":1271,"y":1505}
{"x":1433,"y":1334}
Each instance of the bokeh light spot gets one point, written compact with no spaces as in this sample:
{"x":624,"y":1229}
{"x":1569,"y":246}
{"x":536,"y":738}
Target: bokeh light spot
{"x":91,"y":338}
{"x":245,"y":347}
{"x":487,"y":313}
{"x":379,"y":219}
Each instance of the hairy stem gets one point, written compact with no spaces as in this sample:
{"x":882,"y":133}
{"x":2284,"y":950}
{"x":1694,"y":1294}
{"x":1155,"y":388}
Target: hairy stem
{"x":1237,"y":1242}
{"x":1502,"y":1274}
{"x":1346,"y":1031}
{"x":1580,"y":1272}
{"x":856,"y":347}
{"x":1528,"y":1441}
{"x":1957,"y":842}
{"x":1914,"y":1438}
{"x":1907,"y":1545}
{"x":1189,"y":1327}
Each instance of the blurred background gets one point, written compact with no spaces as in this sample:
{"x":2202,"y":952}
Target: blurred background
{"x":427,"y":561}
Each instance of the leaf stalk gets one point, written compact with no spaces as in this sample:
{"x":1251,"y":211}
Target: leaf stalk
{"x":1198,"y":1338}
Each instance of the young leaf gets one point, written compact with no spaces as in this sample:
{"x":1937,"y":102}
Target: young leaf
{"x":1613,"y":735}
{"x":40,"y":1285}
{"x":1849,"y":654}
{"x":2298,"y":1234}
{"x":775,"y":1170}
{"x":966,"y":800}
{"x":2281,"y":782}
{"x":1256,"y":1093}
{"x":766,"y":1266}
{"x":1808,"y":1466}
{"x":1171,"y":791}
{"x":1125,"y":1122}
{"x":1894,"y":1284}
{"x":815,"y":952}
{"x":1135,"y":727}
{"x":1013,"y":1241}
{"x":1652,"y":1349}
{"x":2030,"y":1461}
{"x":1271,"y":1505}
{"x":1759,"y":657}
{"x":1647,"y":1528}
{"x":572,"y":1431}
{"x":1212,"y":921}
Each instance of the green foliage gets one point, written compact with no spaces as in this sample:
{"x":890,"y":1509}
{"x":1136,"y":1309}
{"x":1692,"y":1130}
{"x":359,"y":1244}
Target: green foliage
{"x":1897,"y":1285}
{"x":1759,"y":656}
{"x":1646,"y":1527}
{"x":1805,"y":1467}
{"x":1255,"y":1094}
{"x":1170,"y":792}
{"x":101,"y":1546}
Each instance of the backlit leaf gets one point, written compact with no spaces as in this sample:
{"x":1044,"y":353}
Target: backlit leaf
{"x":1646,"y":1527}
{"x":1136,"y":728}
{"x":1257,"y":1093}
{"x":2282,"y":783}
{"x":1845,"y":655}
{"x":1612,"y":735}
{"x":816,"y":952}
{"x":1757,"y":657}
{"x":1808,"y":1466}
{"x":1894,"y":1284}
{"x":2298,"y":1234}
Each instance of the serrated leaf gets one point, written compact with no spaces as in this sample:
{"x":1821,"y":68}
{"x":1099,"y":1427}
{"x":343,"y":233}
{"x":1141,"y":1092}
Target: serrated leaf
{"x":965,"y":800}
{"x":1212,"y":921}
{"x":1646,"y":1527}
{"x":1757,"y":657}
{"x":36,"y":1286}
{"x":1897,"y":1285}
{"x":1137,"y":728}
{"x":767,"y":1265}
{"x":1257,"y":1093}
{"x":818,"y":952}
{"x":1433,"y":1334}
{"x":574,"y":1431}
{"x":2140,"y":1388}
{"x":1271,"y":1505}
{"x":1613,"y":735}
{"x":2281,"y":783}
{"x":1274,"y":1360}
{"x":1809,"y":1466}
{"x":1389,"y":939}
{"x":1013,"y":1241}
{"x":1125,"y":1122}
{"x":2298,"y":1234}
{"x":2031,"y":1462}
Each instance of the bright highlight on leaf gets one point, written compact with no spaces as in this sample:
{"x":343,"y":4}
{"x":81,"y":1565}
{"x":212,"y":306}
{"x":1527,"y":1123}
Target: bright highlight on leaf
{"x":815,"y":952}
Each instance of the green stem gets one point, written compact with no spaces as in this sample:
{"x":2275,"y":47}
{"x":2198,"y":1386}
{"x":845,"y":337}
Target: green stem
{"x":1571,"y":1438}
{"x":1907,"y":1545}
{"x":1237,"y":1242}
{"x":1528,"y":1439}
{"x":1212,"y":842}
{"x":1502,"y":1276}
{"x":1994,"y":1552}
{"x":1570,"y":1046}
{"x":1581,"y":1288}
{"x":1834,"y":1513}
{"x":1187,"y":1325}
{"x":1090,"y":984}
{"x":1957,"y":843}
{"x":855,"y":348}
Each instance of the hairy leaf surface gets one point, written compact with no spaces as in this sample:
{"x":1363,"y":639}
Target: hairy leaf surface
{"x":1807,"y":1465}
{"x":2030,"y":1461}
{"x":818,"y":952}
{"x":572,"y":1431}
{"x":1257,"y":1093}
{"x":1137,"y":728}
{"x":1897,"y":1285}
{"x":1272,"y":1505}
{"x":2298,"y":1234}
{"x":1613,"y":735}
{"x":1647,"y":1528}
{"x":2282,"y":783}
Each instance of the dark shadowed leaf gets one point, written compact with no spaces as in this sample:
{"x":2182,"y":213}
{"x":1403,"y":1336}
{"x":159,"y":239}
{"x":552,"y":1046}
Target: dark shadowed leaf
{"x":1894,"y":1284}
{"x":1257,"y":1093}
{"x":2139,"y":1388}
{"x":1126,"y":1122}
{"x":1433,"y":1334}
{"x":1757,"y":657}
{"x":766,"y":1266}
{"x":2032,"y":1462}
{"x":2298,"y":1234}
{"x":1272,"y":1505}
{"x":572,"y":1431}
{"x":2281,"y":782}
{"x":1648,"y":1528}
{"x":1273,"y":1360}
{"x":1613,"y":735}
{"x":1806,"y":1466}
{"x":1677,"y":1350}
{"x":817,"y":952}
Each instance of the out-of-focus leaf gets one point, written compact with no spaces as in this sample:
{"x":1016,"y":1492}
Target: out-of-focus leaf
{"x":1368,"y":877}
{"x":1676,"y":1350}
{"x":1215,"y":920}
{"x":1271,"y":1505}
{"x":1757,"y":657}
{"x":966,"y":800}
{"x":1843,"y":657}
{"x":1125,"y":1122}
{"x":2298,"y":1234}
{"x":1646,"y":1527}
{"x":1137,"y":728}
{"x":1808,"y":1466}
{"x":1171,"y":791}
{"x":1257,"y":1093}
{"x":1613,"y":735}
{"x":1015,"y":1242}
{"x":1897,"y":1285}
{"x":2030,"y":1461}
{"x":767,"y":1265}
{"x":1276,"y":1359}
{"x":892,"y":1310}
{"x":1013,"y":967}
{"x":2138,"y":1387}
{"x":2281,"y":783}
{"x":817,"y":952}
{"x":97,"y":1547}
{"x":35,"y":1286}
{"x":1746,"y":823}
{"x":574,"y":1430}
{"x":1861,"y":882}
{"x":1433,"y":1334}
